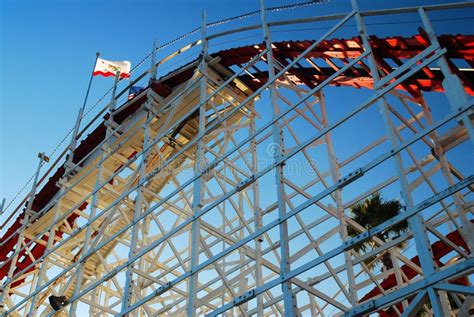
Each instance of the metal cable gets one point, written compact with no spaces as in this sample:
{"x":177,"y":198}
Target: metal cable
{"x":209,"y":25}
{"x":213,"y":24}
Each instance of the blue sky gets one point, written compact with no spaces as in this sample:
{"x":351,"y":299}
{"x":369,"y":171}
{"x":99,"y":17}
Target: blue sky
{"x":48,"y":47}
{"x":46,"y":58}
{"x":46,"y":55}
{"x":47,"y":50}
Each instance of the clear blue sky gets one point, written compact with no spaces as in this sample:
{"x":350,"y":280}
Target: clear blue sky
{"x":47,"y":50}
{"x":47,"y":53}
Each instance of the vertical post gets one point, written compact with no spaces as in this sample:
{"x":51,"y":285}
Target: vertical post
{"x":336,"y":175}
{"x":198,"y":183}
{"x":127,"y":296}
{"x":78,"y":276}
{"x":456,"y":97}
{"x":415,"y":222}
{"x":452,"y":85}
{"x":242,"y":255}
{"x":257,"y":214}
{"x":2,"y":206}
{"x":27,"y":214}
{"x":466,"y":228}
{"x":289,"y":298}
{"x":113,"y":100}
{"x":69,"y":166}
{"x":153,"y":68}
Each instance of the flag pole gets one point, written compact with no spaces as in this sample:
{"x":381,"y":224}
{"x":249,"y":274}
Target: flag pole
{"x":81,"y":111}
{"x":72,"y":144}
{"x":97,"y":54}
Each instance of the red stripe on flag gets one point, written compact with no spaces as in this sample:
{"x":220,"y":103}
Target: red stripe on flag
{"x":108,"y":74}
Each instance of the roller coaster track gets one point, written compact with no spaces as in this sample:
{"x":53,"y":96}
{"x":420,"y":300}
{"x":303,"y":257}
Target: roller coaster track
{"x":168,"y":108}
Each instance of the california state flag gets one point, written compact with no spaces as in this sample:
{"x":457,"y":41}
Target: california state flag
{"x":110,"y":68}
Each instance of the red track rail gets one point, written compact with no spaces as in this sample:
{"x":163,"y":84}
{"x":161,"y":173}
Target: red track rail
{"x":330,"y":54}
{"x":439,"y":249}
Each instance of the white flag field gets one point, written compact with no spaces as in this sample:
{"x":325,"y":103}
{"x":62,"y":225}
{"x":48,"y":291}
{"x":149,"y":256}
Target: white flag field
{"x":107,"y":68}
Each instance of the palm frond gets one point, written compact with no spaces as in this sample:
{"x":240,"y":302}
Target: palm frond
{"x":370,"y":213}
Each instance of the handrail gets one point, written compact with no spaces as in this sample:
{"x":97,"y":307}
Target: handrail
{"x":93,"y":120}
{"x":434,"y":7}
{"x":336,"y":16}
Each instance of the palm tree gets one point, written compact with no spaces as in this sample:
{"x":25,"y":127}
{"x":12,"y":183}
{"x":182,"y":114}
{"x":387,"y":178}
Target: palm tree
{"x":370,"y":213}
